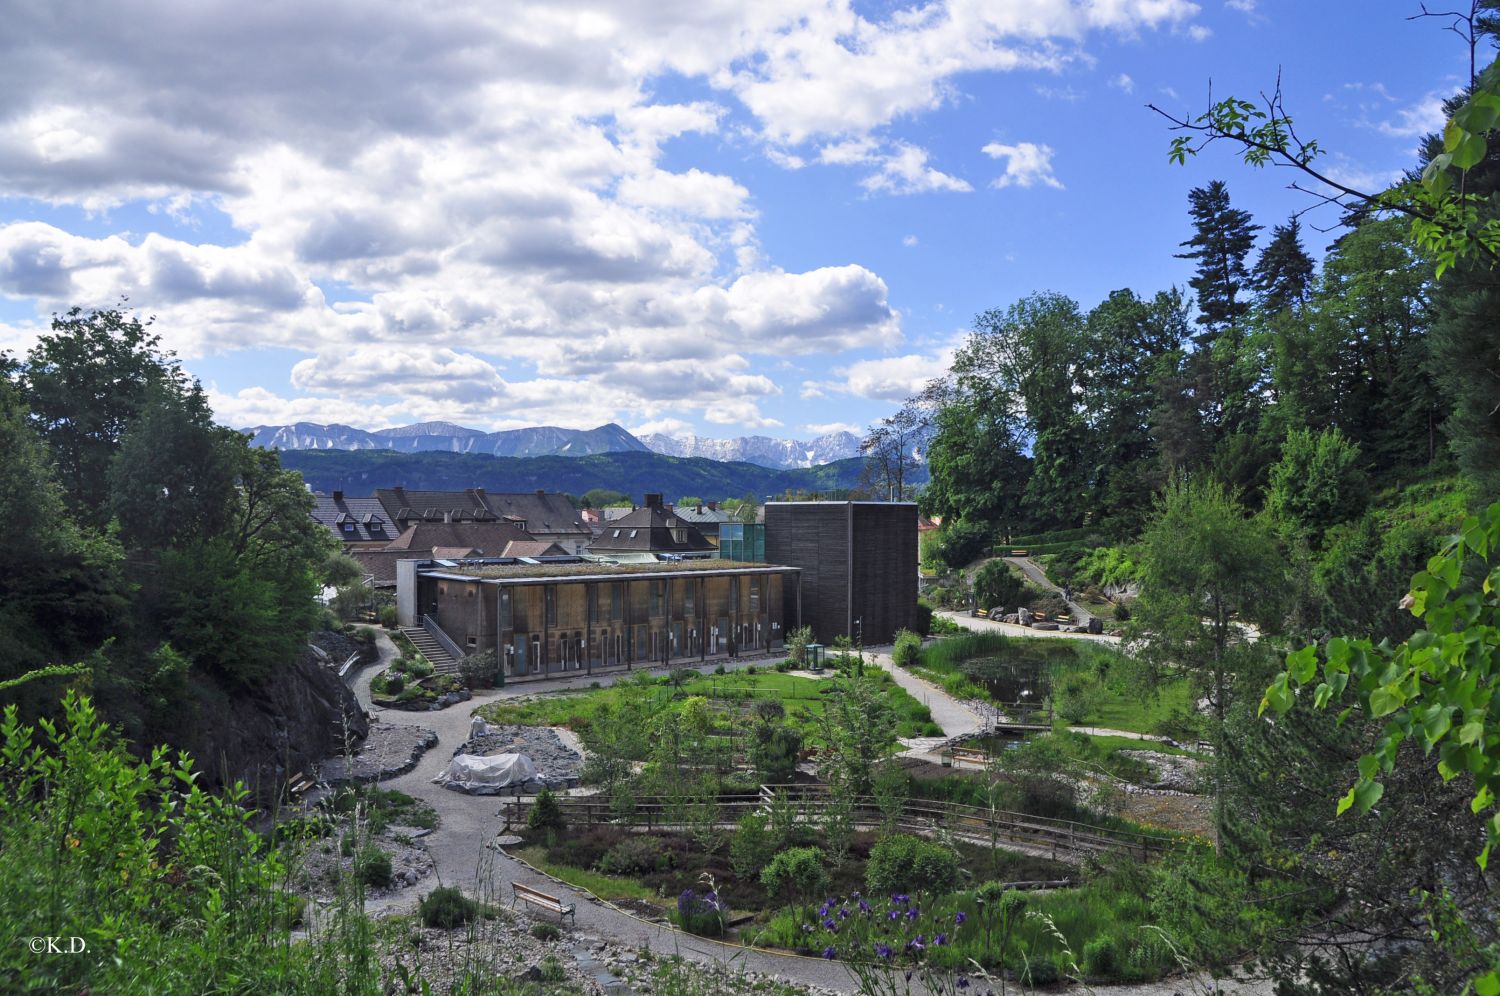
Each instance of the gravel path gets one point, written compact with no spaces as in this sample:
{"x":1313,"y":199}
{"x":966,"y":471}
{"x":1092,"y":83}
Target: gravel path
{"x":979,"y":625}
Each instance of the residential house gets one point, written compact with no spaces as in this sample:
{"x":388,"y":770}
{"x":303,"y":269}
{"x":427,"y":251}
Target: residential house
{"x":647,"y":532}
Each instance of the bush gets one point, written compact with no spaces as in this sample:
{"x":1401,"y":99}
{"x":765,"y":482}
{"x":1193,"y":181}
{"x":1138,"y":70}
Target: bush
{"x":908,"y":650}
{"x":544,"y":931}
{"x":394,"y":682}
{"x":636,"y":855}
{"x":388,"y":616}
{"x":1100,"y":957}
{"x":446,"y":908}
{"x":903,"y":863}
{"x":545,"y":813}
{"x":719,"y":669}
{"x":796,"y":873}
{"x":412,"y":693}
{"x":995,"y":586}
{"x":701,"y":913}
{"x":479,"y":670}
{"x":373,"y":866}
{"x":419,"y":667}
{"x":922,"y":618}
{"x":753,"y":846}
{"x":960,"y":542}
{"x":796,"y":644}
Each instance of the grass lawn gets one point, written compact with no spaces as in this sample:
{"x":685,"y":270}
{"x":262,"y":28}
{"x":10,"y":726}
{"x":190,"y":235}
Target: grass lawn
{"x":730,"y":694}
{"x":1137,"y":711}
{"x":602,"y":885}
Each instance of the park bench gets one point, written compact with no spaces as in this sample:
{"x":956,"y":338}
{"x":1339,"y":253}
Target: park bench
{"x":299,"y":784}
{"x":526,"y":894}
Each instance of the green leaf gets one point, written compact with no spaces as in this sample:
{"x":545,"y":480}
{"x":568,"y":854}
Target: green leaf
{"x":1483,"y":799}
{"x":1470,"y":152}
{"x":1386,"y":700}
{"x":1368,"y":765}
{"x":1303,"y":664}
{"x":1470,"y":732}
{"x":1367,"y":793}
{"x":1346,"y":802}
{"x":1453,"y":135}
{"x":1436,"y":725}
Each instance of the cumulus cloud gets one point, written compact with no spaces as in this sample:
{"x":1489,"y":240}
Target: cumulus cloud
{"x":1123,"y":82}
{"x":829,"y":428}
{"x":1424,"y":117}
{"x":894,"y":378}
{"x":493,"y":187}
{"x":1026,"y":165}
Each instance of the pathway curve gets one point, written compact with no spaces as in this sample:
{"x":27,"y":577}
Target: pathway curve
{"x":984,"y":625}
{"x":467,"y":823}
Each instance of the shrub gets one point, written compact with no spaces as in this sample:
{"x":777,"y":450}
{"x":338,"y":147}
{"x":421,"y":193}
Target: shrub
{"x":1100,"y":957}
{"x":636,"y":855}
{"x":796,"y":873}
{"x":796,"y":644}
{"x":388,"y":616}
{"x":373,"y":866}
{"x":394,"y":682}
{"x":479,"y":670}
{"x":701,"y":913}
{"x":719,"y":669}
{"x":446,"y":908}
{"x":903,"y":863}
{"x":908,"y":650}
{"x":752,"y":847}
{"x":545,"y":813}
{"x":419,"y":667}
{"x":996,"y":586}
{"x":922,"y":618}
{"x":551,"y":970}
{"x":958,"y":543}
{"x":544,"y":931}
{"x":751,"y":669}
{"x":412,"y":693}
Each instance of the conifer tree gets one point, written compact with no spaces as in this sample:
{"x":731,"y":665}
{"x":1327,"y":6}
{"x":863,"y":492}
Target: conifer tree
{"x":1222,"y":238}
{"x":1283,"y":274}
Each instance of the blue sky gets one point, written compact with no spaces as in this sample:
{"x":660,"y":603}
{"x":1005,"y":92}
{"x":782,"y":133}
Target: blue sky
{"x":727,"y":218}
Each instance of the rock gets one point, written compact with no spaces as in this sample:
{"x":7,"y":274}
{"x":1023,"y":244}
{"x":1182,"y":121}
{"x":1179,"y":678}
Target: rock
{"x":1023,"y":616}
{"x":1010,"y":617}
{"x":389,"y":749}
{"x":1048,"y":626}
{"x":1096,"y":625}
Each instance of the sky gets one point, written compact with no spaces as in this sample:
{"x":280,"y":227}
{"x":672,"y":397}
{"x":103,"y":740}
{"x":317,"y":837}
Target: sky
{"x":722,"y":217}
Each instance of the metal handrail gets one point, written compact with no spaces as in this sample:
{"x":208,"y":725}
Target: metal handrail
{"x":444,"y":640}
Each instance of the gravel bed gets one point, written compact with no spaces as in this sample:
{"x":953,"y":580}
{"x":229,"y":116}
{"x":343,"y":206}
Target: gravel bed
{"x":1174,"y":773}
{"x":324,"y":863}
{"x":391,"y":749}
{"x":552,"y":757}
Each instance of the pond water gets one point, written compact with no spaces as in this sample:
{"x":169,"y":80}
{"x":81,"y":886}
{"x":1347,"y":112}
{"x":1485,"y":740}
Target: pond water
{"x":1011,"y":680}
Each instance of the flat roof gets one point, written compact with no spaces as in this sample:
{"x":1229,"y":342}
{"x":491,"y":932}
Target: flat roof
{"x":593,"y":571}
{"x":891,"y":503}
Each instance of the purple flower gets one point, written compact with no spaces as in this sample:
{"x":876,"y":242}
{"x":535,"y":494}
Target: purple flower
{"x":830,"y":923}
{"x":960,"y":916}
{"x":939,"y":940}
{"x":963,"y":982}
{"x":915,"y":944}
{"x":844,"y":913}
{"x":913,"y":913}
{"x":883,"y":950}
{"x":864,"y":907}
{"x":894,"y":915}
{"x":901,"y":898}
{"x":830,"y":954}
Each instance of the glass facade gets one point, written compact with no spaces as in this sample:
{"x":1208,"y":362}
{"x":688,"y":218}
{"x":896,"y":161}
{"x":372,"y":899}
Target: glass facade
{"x":744,"y":541}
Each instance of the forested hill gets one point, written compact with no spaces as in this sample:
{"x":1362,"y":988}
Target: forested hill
{"x":360,"y":472}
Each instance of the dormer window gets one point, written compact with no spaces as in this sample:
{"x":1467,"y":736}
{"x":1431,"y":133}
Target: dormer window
{"x":633,"y":532}
{"x":617,"y":534}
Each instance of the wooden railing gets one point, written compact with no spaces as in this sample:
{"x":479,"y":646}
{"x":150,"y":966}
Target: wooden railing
{"x":1061,"y":838}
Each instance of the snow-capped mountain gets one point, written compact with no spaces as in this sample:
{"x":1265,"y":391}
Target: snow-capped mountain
{"x":550,"y":440}
{"x":543,"y":440}
{"x":782,"y":454}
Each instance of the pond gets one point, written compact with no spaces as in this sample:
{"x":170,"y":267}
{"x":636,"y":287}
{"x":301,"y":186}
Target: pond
{"x":1011,"y":680}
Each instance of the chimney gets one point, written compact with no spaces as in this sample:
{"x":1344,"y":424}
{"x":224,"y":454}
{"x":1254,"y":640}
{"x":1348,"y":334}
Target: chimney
{"x":653,"y":499}
{"x":540,"y":493}
{"x":338,"y":495}
{"x":448,"y":515}
{"x":713,"y":506}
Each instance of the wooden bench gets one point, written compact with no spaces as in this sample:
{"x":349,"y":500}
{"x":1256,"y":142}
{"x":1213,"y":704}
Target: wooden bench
{"x":298,"y":784}
{"x":526,"y":894}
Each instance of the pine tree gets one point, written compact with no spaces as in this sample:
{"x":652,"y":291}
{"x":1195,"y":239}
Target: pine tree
{"x":1222,"y":238}
{"x":1283,"y":274}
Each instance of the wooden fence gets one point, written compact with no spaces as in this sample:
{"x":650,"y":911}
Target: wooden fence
{"x":1062,"y":839}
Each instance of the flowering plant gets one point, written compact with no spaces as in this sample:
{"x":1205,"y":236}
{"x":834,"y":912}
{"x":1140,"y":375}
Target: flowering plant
{"x":702,"y":913}
{"x":892,"y":946}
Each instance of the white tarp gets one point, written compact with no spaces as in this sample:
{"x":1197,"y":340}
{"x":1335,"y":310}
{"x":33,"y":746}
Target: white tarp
{"x":486,"y":775}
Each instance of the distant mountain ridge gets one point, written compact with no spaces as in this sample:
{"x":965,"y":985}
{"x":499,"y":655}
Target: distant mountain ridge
{"x":359,"y":472}
{"x":551,"y":440}
{"x":762,"y":450}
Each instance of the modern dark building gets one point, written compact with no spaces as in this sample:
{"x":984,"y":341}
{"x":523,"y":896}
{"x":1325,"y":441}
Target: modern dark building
{"x":572,"y":615}
{"x":858,"y":561}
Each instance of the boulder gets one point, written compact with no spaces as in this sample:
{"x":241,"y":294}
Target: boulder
{"x":1096,"y":625}
{"x":1023,"y":616}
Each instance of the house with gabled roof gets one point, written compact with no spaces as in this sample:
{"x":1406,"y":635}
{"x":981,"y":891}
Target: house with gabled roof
{"x":652,"y":529}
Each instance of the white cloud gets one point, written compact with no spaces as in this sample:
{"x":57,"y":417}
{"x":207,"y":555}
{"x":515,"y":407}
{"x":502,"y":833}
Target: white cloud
{"x":1243,"y":6}
{"x":665,"y":426}
{"x":1123,"y":82}
{"x":910,"y":241}
{"x":492,"y":184}
{"x":894,"y":378}
{"x":1425,"y":117}
{"x":829,"y":428}
{"x":1026,"y":165}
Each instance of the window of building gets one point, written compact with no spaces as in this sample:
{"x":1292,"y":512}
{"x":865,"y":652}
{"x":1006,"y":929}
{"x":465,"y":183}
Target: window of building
{"x":632,"y":533}
{"x":689,"y":591}
{"x":617,"y":534}
{"x":549,"y":597}
{"x":507,"y":618}
{"x":616,"y":602}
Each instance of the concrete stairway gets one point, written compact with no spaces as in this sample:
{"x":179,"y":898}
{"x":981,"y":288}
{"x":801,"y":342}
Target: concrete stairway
{"x":430,"y":648}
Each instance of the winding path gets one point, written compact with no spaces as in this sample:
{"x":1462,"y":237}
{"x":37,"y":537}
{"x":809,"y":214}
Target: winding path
{"x":462,"y":857}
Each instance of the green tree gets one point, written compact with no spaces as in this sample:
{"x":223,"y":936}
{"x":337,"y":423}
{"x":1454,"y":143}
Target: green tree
{"x":1317,"y":484}
{"x":1222,"y":239}
{"x":858,"y":728}
{"x":1283,"y":274}
{"x":83,"y":384}
{"x":1206,"y":570}
{"x":796,"y":874}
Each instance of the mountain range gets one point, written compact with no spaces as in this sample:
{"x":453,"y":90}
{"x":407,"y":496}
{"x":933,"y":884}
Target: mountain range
{"x":358,"y":472}
{"x":550,"y":440}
